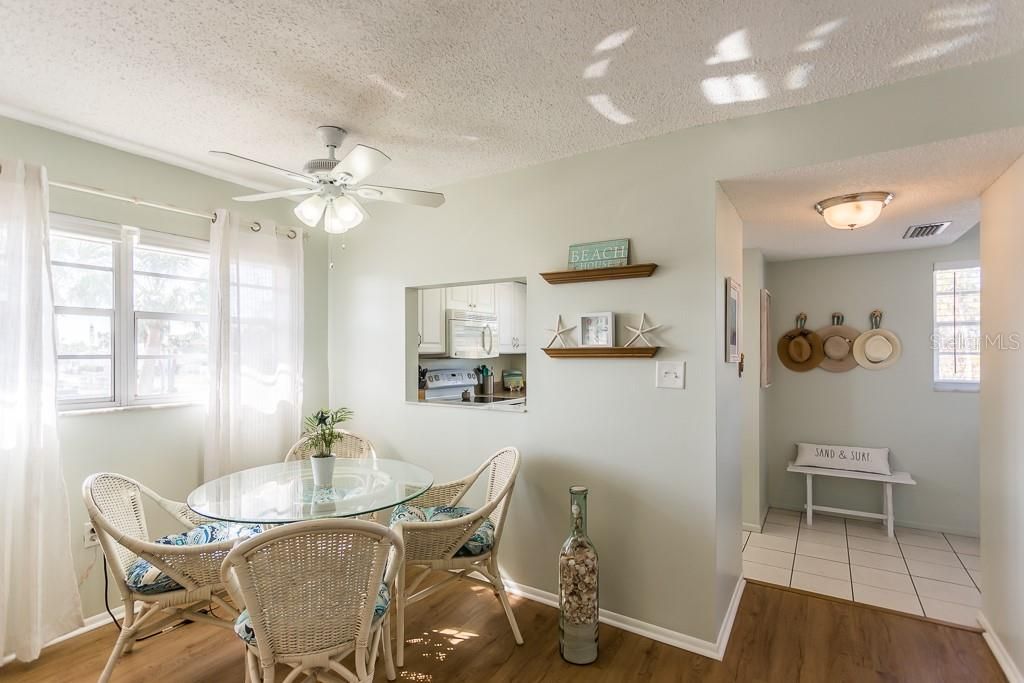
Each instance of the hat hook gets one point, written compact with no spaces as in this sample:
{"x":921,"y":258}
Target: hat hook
{"x":876,"y":319}
{"x":838,"y":318}
{"x":801,"y":320}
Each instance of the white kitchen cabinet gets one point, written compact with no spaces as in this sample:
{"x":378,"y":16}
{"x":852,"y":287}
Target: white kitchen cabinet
{"x":431,"y":321}
{"x":511,"y":308}
{"x":484,"y":299}
{"x":475,"y":298}
{"x":459,"y":298}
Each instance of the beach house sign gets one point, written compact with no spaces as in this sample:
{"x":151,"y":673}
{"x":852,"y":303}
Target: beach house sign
{"x":607,"y":254}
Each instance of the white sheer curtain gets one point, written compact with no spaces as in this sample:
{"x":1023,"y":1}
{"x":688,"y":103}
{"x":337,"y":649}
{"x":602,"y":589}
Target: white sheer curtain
{"x":38,"y":588}
{"x":256,"y":311}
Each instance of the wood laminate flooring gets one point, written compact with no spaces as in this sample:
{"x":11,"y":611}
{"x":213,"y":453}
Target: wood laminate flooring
{"x":460,"y":635}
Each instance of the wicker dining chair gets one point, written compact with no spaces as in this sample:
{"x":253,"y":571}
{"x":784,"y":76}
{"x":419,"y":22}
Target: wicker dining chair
{"x":455,"y":546}
{"x":315,"y":593}
{"x":191,"y":573}
{"x":348,"y":446}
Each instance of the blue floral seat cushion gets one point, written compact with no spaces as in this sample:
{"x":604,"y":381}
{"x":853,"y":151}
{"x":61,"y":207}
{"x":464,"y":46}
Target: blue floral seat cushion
{"x":142,"y":577}
{"x":479,"y":543}
{"x":244,"y":630}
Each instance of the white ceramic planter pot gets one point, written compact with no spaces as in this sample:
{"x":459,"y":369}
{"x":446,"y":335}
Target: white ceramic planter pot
{"x":323,"y":471}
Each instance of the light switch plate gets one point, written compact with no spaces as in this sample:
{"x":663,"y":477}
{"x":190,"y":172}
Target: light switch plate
{"x":671,"y":374}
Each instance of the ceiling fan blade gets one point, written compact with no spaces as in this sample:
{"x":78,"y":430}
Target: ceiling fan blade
{"x":361,"y":162}
{"x":293,"y":175}
{"x":298,"y":192}
{"x":398,"y":194}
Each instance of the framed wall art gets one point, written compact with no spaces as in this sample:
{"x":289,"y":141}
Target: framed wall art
{"x":733,"y":294}
{"x":597,"y":329}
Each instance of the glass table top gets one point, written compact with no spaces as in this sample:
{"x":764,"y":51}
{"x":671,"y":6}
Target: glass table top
{"x":284,"y":491}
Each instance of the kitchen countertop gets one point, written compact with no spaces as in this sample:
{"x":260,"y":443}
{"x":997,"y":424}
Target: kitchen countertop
{"x":506,"y":394}
{"x":518,"y":406}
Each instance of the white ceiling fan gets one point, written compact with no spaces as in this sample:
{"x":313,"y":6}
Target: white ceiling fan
{"x":332,"y":185}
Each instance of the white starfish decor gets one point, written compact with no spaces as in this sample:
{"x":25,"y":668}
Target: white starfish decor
{"x":559,"y":330}
{"x":639,"y":332}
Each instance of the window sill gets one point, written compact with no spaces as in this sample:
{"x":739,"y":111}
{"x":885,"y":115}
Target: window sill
{"x":126,"y":409}
{"x":956,"y":387}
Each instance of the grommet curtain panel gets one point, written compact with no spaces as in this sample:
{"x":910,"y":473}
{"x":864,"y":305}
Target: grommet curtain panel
{"x":256,"y":312}
{"x":39,"y":598}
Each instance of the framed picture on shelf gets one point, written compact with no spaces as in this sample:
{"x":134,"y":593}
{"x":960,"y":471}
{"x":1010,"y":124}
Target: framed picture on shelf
{"x":766,"y":331}
{"x":597,"y":329}
{"x":733,"y":294}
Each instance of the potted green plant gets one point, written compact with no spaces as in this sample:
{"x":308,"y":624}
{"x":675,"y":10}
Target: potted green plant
{"x":321,"y":435}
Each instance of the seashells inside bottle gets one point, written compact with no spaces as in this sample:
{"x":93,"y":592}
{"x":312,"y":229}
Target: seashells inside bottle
{"x":578,"y":582}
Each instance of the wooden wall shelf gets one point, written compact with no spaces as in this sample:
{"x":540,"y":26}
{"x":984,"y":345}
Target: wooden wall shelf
{"x":603,"y":352}
{"x":563,"y":277}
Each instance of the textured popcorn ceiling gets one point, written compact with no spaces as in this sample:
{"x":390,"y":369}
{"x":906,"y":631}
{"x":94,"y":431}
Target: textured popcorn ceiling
{"x":452,"y":90}
{"x":931,"y":183}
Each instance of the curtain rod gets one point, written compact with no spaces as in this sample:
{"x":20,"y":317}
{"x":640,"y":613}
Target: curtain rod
{"x":131,"y":200}
{"x":98,"y":192}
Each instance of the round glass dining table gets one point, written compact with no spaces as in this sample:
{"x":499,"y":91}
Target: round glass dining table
{"x":283,"y":492}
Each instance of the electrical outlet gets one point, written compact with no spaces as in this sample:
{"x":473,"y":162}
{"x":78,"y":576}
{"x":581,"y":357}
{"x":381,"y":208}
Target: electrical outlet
{"x":89,"y":537}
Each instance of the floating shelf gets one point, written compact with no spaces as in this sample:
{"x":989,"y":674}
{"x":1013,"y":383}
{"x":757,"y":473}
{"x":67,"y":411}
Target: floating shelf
{"x":563,"y":277}
{"x":604,"y":352}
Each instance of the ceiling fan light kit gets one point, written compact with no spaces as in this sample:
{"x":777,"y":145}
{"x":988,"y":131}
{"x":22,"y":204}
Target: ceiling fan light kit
{"x":342,"y":215}
{"x":310,"y":210}
{"x":852,"y":211}
{"x":333,"y":184}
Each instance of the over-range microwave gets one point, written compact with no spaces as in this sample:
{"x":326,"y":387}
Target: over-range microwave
{"x":472,"y":335}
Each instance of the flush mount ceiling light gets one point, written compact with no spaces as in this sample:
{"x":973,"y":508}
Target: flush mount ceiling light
{"x":331,"y":185}
{"x":852,"y":211}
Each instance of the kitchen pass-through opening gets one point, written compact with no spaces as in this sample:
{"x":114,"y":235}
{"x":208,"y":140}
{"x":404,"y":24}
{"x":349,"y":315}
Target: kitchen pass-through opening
{"x":467,"y":344}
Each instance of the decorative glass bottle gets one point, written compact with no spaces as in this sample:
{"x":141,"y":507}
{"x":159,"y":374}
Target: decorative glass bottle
{"x":577,"y":587}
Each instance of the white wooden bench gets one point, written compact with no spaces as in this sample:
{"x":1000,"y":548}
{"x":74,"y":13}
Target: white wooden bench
{"x":887,"y":480}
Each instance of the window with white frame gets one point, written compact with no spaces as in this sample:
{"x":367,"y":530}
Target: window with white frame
{"x":131,"y":311}
{"x":957,"y":333}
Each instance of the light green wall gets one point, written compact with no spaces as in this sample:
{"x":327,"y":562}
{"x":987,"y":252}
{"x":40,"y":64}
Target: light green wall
{"x":755,"y":475}
{"x":649,"y":455}
{"x":728,"y":230}
{"x":161,"y":447}
{"x":932,"y":434}
{"x":1002,"y":409}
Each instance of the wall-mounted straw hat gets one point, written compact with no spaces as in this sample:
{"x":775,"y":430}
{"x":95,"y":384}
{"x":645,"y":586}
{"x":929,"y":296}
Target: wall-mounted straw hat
{"x":837,"y":342}
{"x":877,"y":349}
{"x":800,"y":349}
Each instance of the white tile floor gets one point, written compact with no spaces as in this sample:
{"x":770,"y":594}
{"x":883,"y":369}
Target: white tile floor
{"x":920,"y":572}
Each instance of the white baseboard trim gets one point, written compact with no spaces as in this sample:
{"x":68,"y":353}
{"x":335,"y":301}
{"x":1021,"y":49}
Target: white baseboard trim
{"x":756,"y":528}
{"x":1006,"y":662}
{"x":93,"y":622}
{"x":715,"y":650}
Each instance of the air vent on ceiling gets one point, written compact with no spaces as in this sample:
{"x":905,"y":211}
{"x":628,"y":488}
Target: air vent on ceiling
{"x":925,"y":230}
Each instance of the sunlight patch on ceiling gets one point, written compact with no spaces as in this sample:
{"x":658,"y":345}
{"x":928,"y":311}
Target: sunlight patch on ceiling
{"x":799,"y":76}
{"x":614,"y":40}
{"x":732,"y":89}
{"x":822,"y":30}
{"x":601,"y":102}
{"x":936,"y":49}
{"x":960,"y":16}
{"x":604,"y":106}
{"x":597,"y":70}
{"x":816,"y":37}
{"x":735,"y":47}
